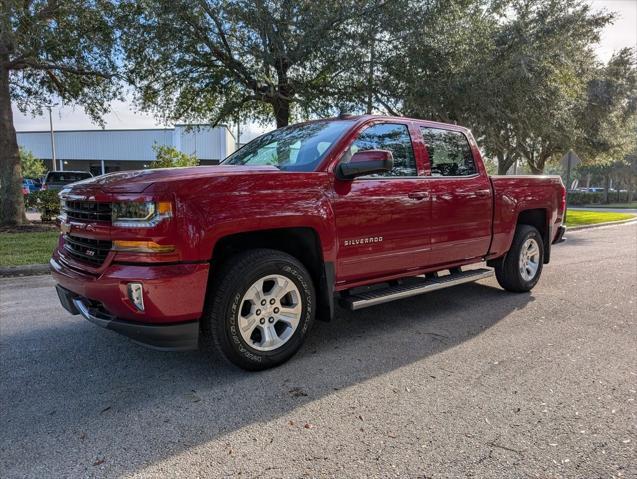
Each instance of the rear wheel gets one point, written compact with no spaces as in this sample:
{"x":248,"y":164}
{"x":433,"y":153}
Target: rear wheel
{"x":521,"y":268}
{"x":260,"y":310}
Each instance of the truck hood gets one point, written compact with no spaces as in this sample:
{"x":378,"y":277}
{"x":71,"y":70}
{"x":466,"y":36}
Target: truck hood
{"x":137,"y":181}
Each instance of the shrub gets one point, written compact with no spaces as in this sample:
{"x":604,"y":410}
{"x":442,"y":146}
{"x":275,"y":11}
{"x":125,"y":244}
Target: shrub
{"x":47,"y":202}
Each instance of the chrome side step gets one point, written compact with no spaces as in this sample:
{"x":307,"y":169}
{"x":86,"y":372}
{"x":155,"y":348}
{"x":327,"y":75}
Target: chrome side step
{"x":416,"y":286}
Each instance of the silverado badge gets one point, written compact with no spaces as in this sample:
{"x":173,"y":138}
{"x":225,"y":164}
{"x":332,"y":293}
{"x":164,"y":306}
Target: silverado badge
{"x":358,"y":241}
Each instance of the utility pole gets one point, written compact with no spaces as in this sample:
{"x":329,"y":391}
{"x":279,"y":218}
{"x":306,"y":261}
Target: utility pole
{"x":53,"y":159}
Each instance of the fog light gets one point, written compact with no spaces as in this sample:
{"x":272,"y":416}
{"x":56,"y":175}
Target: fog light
{"x":136,"y":295}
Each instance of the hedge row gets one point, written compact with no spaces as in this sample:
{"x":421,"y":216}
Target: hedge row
{"x":587,"y":198}
{"x":581,"y":198}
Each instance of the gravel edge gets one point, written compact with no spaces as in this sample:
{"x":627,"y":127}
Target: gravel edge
{"x":24,"y":270}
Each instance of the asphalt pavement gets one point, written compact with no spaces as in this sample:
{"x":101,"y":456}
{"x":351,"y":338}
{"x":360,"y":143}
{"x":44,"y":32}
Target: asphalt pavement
{"x":465,"y":382}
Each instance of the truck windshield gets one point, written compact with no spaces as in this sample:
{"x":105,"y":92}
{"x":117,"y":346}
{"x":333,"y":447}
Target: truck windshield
{"x":293,"y":148}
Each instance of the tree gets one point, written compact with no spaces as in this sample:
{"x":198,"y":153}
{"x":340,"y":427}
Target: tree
{"x":608,"y":118}
{"x":211,"y":60}
{"x":514,"y":71}
{"x":170,"y":157}
{"x":31,"y":166}
{"x":50,"y":49}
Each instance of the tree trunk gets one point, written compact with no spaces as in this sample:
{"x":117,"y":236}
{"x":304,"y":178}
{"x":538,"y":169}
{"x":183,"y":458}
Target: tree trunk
{"x":502,"y":167}
{"x":11,"y":200}
{"x":281,"y":108}
{"x":504,"y":163}
{"x":606,"y":188}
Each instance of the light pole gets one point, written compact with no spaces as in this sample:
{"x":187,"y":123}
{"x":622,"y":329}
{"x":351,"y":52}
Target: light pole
{"x":53,"y":159}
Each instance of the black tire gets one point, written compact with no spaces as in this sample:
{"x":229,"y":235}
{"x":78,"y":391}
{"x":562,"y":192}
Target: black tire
{"x":220,"y":323}
{"x":508,"y":271}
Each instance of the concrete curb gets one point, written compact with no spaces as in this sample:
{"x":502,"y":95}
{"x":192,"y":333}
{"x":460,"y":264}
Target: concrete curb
{"x":600,"y":225}
{"x":25,"y":270}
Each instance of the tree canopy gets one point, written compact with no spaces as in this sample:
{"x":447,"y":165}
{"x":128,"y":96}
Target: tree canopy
{"x":208,"y":59}
{"x":521,"y":74}
{"x":50,"y":50}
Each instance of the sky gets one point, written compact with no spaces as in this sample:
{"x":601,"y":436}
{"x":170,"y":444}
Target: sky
{"x":623,"y":33}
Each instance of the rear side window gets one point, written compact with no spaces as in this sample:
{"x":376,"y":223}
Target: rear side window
{"x":449,"y":152}
{"x":388,"y":136}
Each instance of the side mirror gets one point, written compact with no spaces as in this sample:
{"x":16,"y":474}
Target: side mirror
{"x":366,"y":163}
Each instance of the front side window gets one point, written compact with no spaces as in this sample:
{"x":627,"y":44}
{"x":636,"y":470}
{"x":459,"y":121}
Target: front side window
{"x":388,"y":136}
{"x":294,"y":148}
{"x":449,"y":152}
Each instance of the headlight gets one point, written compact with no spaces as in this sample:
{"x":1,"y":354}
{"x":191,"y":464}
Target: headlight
{"x":137,"y":214}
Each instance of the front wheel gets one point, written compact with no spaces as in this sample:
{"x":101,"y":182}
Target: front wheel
{"x":261,"y":308}
{"x":521,"y":268}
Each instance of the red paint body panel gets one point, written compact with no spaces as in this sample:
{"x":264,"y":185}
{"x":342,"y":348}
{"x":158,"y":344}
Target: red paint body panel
{"x":371,"y":229}
{"x":172,"y":293}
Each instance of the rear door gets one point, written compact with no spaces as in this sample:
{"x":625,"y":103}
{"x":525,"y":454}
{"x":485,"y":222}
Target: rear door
{"x":381,"y":220}
{"x":461,"y":197}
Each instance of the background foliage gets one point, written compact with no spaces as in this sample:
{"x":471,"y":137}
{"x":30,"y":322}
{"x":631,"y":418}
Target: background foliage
{"x":522,"y":74}
{"x":32,"y":167}
{"x":170,"y":157}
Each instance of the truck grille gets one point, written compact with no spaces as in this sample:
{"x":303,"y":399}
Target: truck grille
{"x":88,"y":250}
{"x":87,"y":210}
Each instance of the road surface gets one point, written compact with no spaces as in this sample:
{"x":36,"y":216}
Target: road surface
{"x":471,"y":381}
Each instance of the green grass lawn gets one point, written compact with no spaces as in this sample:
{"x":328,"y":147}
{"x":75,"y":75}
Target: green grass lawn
{"x":581,"y":217}
{"x":17,"y":249}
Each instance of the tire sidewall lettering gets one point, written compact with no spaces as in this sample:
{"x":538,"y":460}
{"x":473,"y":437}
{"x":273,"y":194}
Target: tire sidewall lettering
{"x":232,"y":316}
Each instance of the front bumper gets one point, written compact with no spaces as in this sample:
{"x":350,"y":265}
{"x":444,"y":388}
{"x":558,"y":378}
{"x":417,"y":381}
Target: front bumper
{"x":173,"y":300}
{"x":167,"y":337}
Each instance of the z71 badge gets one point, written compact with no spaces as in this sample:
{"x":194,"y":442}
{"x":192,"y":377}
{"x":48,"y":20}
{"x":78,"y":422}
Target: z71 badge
{"x":359,"y":241}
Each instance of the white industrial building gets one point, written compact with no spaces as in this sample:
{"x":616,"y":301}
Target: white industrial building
{"x":103,"y":151}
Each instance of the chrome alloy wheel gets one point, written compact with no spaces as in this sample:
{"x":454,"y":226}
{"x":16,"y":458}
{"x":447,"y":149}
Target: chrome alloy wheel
{"x":529,"y":259}
{"x":270,"y":312}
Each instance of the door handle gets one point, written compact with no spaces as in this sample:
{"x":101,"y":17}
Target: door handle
{"x":419,"y":195}
{"x":482,"y":193}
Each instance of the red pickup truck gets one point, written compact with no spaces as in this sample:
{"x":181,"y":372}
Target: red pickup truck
{"x":244,"y":256}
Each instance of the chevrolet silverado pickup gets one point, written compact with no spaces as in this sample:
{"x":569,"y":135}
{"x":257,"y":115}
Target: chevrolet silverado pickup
{"x":243,"y":256}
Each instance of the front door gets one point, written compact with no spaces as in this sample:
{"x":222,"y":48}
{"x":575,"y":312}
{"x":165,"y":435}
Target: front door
{"x":381,"y":220}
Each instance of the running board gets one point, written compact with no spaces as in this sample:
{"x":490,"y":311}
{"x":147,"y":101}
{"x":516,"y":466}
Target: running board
{"x":419,"y":285}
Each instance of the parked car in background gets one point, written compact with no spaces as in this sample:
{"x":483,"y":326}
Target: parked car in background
{"x":56,"y":180}
{"x":31,"y":185}
{"x":246,"y":254}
